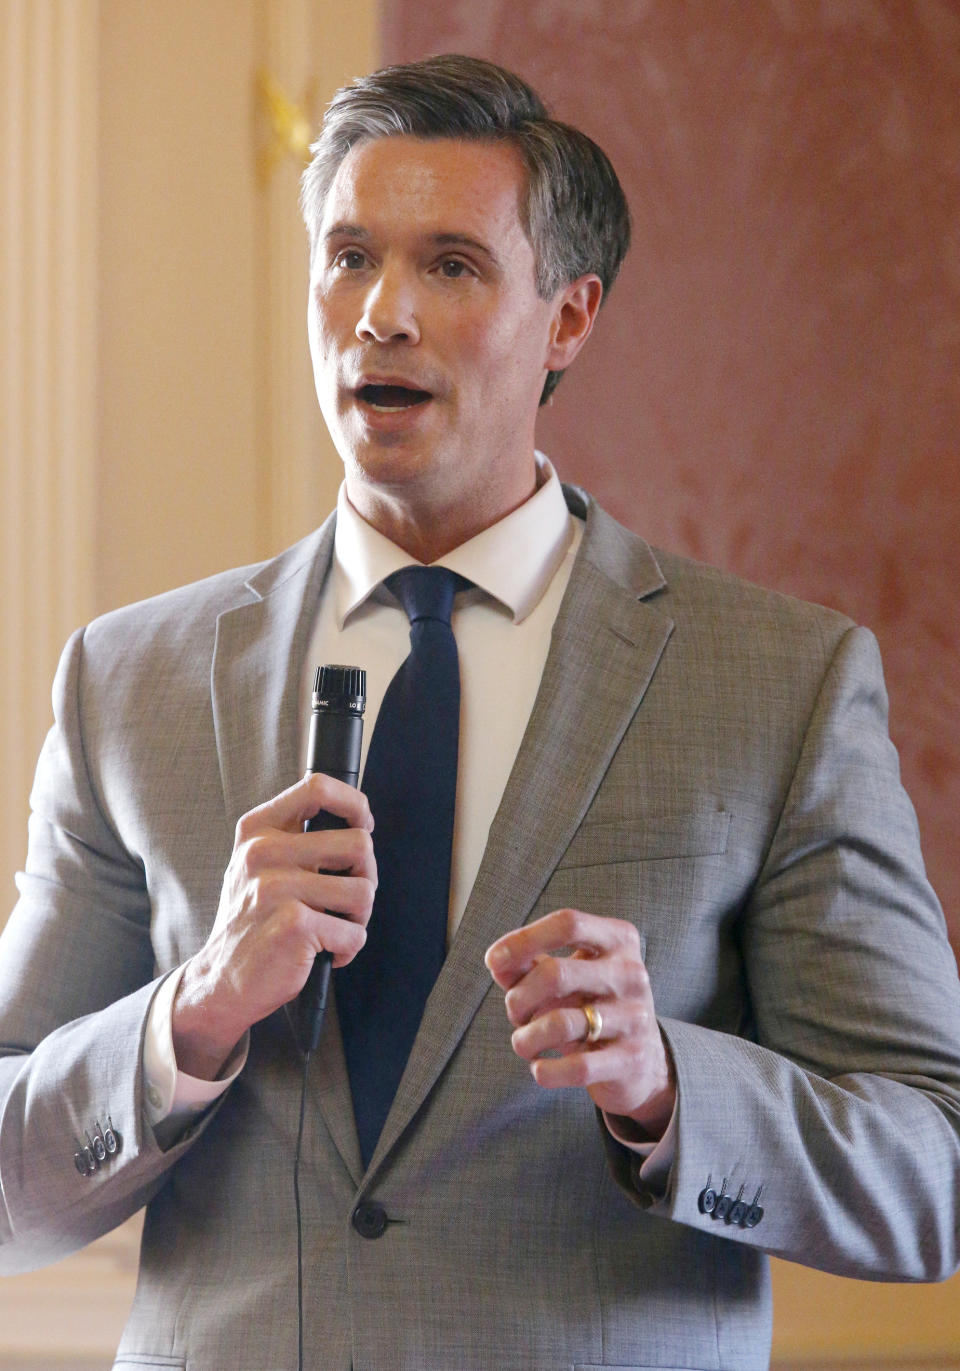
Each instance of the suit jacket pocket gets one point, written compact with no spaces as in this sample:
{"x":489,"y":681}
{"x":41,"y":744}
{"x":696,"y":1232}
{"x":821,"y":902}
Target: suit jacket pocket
{"x":646,"y":838}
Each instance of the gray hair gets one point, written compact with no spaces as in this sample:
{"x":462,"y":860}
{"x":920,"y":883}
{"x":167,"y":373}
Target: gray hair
{"x":573,"y":212}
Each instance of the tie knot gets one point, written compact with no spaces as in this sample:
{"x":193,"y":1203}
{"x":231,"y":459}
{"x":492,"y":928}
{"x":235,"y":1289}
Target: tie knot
{"x":426,"y":592}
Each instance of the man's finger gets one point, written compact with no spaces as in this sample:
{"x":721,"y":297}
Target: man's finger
{"x":566,"y":1029}
{"x":515,"y":954}
{"x":559,"y":1030}
{"x":342,"y":938}
{"x":347,"y":897}
{"x":608,"y":1064}
{"x":346,"y":851}
{"x":291,"y":809}
{"x":555,"y":981}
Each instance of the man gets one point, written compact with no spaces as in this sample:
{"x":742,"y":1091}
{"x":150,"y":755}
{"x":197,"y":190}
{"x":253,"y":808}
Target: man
{"x":723,"y":1018}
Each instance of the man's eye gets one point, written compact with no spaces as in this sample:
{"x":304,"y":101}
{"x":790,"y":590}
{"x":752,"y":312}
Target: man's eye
{"x":350,"y":259}
{"x":454,"y":269}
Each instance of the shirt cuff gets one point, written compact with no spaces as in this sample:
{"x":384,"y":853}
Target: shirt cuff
{"x":658,"y":1156}
{"x":172,"y":1099}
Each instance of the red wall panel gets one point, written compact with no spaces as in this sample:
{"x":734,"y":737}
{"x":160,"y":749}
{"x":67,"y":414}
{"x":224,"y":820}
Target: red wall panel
{"x":775,"y":384}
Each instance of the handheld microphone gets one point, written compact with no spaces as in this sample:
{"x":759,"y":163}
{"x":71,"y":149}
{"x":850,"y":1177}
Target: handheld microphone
{"x":336,"y":732}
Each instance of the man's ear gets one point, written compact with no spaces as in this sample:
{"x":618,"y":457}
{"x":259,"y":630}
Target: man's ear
{"x":576,"y":308}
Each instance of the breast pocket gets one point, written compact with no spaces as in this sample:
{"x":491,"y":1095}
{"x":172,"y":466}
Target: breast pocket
{"x":130,"y":1360}
{"x":648,"y":838}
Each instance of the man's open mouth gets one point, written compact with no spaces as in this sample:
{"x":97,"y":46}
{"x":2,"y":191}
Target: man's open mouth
{"x":390,"y":398}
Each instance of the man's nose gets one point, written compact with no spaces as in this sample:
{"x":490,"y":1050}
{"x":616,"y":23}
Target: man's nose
{"x":389,"y":313}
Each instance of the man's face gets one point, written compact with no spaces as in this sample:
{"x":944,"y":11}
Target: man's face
{"x":429,"y":341}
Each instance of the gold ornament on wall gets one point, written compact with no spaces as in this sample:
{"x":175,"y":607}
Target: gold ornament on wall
{"x":289,"y":124}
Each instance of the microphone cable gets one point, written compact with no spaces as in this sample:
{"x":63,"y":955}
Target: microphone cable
{"x":296,"y":1200}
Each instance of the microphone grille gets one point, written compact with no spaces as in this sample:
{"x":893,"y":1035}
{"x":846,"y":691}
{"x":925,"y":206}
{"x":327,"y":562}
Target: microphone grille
{"x":341,"y":685}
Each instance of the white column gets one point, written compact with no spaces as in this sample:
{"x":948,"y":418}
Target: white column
{"x":48,"y":208}
{"x":48,"y":441}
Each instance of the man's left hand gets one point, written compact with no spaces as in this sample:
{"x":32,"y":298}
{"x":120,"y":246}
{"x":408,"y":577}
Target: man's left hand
{"x":626,"y":1070}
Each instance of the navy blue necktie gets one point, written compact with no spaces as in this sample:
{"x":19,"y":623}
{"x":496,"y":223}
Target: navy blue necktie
{"x":410,"y":779}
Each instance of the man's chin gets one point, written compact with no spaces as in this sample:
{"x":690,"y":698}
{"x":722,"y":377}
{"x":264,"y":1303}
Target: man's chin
{"x":392,"y":463}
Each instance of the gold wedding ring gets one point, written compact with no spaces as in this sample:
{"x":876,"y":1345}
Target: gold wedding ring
{"x":594,"y":1023}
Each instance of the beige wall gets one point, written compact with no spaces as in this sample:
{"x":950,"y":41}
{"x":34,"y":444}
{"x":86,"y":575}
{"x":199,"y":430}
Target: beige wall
{"x":156,"y":407}
{"x":178,"y":300}
{"x":778,"y":370}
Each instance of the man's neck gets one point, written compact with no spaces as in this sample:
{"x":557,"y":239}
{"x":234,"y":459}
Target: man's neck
{"x":427,"y":533}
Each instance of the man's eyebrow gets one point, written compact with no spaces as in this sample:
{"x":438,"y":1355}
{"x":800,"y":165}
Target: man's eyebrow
{"x":345,"y":231}
{"x":463,"y":240}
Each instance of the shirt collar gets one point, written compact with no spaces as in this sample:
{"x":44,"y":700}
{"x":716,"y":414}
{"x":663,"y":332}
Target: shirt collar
{"x":513,"y":560}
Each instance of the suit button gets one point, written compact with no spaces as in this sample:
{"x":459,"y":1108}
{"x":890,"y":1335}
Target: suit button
{"x":85,"y":1161}
{"x":112,"y":1139}
{"x":724,"y":1205}
{"x":369,"y":1219}
{"x":754,"y":1214}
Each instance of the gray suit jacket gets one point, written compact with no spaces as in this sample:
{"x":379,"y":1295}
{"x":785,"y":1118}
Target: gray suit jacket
{"x":704,"y":758}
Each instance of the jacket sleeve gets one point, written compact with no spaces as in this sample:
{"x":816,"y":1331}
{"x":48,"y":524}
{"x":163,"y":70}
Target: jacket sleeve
{"x":837,"y":1113}
{"x":77,"y":977}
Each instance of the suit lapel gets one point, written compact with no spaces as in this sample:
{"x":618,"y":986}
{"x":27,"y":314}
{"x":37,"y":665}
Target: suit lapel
{"x":605,"y":648}
{"x":255,"y":678}
{"x":255,"y":687}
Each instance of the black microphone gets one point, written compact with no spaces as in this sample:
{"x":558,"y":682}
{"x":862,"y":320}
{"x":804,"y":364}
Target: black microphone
{"x":336,"y":732}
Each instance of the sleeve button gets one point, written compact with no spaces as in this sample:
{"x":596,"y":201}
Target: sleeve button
{"x":707,"y":1200}
{"x":111,"y":1139}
